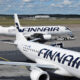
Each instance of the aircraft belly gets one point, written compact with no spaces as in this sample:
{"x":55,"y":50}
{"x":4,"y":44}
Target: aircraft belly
{"x":74,"y":72}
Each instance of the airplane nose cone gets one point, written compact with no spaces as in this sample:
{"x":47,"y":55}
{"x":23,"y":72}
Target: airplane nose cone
{"x":71,"y":34}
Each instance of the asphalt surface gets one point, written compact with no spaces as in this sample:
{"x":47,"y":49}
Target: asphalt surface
{"x":11,"y":53}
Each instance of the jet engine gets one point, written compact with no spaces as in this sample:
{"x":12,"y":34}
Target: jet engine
{"x":38,"y":74}
{"x":47,"y":37}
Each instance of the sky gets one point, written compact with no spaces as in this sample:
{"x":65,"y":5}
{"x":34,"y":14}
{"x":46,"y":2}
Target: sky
{"x":40,"y":7}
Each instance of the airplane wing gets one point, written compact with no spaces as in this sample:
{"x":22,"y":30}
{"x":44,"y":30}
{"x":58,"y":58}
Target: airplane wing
{"x":57,"y":69}
{"x":26,"y":64}
{"x":34,"y":40}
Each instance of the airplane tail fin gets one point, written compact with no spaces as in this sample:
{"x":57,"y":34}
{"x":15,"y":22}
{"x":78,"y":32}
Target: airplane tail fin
{"x":19,"y":34}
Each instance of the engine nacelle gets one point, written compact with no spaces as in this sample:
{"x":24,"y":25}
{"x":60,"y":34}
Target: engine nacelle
{"x":38,"y":74}
{"x":47,"y":37}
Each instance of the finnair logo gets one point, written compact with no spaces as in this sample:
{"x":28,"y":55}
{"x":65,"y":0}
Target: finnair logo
{"x":37,"y":29}
{"x":41,"y":29}
{"x":68,"y":60}
{"x":20,"y":30}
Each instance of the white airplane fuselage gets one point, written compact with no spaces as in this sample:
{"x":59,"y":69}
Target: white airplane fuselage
{"x":28,"y":31}
{"x":68,"y":60}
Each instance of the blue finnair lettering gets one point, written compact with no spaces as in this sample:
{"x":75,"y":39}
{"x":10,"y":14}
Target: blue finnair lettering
{"x":68,"y":60}
{"x":41,"y":29}
{"x":20,"y":30}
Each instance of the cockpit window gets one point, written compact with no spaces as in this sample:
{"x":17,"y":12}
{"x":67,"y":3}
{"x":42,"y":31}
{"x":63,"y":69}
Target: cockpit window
{"x":67,"y":29}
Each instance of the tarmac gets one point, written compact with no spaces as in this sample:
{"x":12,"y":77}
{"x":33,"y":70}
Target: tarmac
{"x":11,"y":53}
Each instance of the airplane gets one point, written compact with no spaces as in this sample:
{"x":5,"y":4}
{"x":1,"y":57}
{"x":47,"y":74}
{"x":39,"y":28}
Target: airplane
{"x":39,"y":33}
{"x":62,"y":61}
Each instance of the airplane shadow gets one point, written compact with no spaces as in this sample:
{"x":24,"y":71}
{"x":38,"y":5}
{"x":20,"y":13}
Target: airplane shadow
{"x":73,"y":48}
{"x":15,"y":55}
{"x":16,"y":78}
{"x":53,"y":77}
{"x":58,"y":77}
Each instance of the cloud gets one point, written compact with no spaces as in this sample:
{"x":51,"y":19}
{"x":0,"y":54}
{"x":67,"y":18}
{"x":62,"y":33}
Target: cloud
{"x":44,"y":0}
{"x":67,"y":2}
{"x":30,"y":6}
{"x":76,"y":5}
{"x":0,"y":1}
{"x":27,"y":0}
{"x":39,"y":6}
{"x":56,"y":5}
